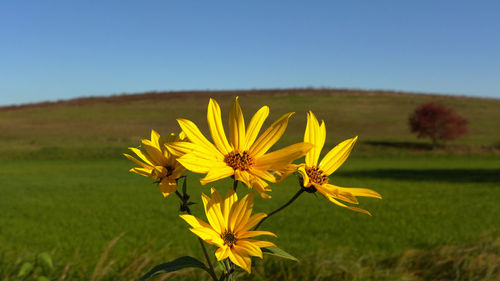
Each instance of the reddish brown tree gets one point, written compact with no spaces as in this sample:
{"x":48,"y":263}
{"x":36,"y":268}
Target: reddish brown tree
{"x":437,"y":122}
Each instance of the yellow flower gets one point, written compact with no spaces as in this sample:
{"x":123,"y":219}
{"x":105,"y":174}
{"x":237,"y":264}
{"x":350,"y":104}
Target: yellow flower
{"x":158,"y":162}
{"x":228,"y":227}
{"x":315,"y":176}
{"x":244,"y":155}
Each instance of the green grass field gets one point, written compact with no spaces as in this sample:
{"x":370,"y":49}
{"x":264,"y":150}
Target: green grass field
{"x":66,"y":190}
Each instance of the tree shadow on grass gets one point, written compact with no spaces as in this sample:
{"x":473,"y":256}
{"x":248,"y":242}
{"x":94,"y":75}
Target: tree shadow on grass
{"x":445,"y":175}
{"x":401,"y":145}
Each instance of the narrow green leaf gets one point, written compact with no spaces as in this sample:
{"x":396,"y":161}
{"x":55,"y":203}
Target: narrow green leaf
{"x":275,"y":251}
{"x":46,"y":259}
{"x":180,"y":263}
{"x":26,"y":269}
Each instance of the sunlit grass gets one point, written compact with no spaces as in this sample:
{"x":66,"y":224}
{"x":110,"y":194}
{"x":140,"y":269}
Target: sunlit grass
{"x":66,"y":190}
{"x":62,"y":205}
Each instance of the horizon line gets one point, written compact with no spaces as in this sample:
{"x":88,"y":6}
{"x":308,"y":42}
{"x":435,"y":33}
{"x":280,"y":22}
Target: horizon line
{"x":250,"y":90}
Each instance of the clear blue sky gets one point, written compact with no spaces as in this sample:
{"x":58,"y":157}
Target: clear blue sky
{"x":61,"y":49}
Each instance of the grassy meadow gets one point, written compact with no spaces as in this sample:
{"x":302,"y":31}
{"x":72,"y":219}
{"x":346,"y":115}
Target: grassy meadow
{"x":66,"y":190}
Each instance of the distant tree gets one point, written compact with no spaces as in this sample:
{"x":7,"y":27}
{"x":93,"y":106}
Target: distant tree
{"x":437,"y":122}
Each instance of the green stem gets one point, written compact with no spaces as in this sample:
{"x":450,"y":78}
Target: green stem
{"x":235,"y":185}
{"x":223,"y":276}
{"x":226,"y":275}
{"x":281,"y":208}
{"x":212,"y":271}
{"x":207,"y":257}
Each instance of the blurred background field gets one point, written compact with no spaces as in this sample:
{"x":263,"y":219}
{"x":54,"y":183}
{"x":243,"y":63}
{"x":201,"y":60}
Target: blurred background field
{"x":66,"y":189}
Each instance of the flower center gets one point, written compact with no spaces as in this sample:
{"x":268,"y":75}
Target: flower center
{"x":239,"y":161}
{"x":169,"y":170}
{"x":229,"y":238}
{"x":163,"y":173}
{"x":316,"y":175}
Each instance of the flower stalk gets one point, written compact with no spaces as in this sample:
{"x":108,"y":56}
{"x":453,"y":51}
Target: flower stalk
{"x":229,"y":270}
{"x":185,"y":208}
{"x":235,"y":184}
{"x":301,"y":190}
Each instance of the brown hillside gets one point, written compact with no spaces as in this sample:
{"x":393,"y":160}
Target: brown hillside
{"x":165,"y":95}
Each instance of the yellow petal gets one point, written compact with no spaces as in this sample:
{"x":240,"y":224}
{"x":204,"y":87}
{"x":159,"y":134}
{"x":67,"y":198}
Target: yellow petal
{"x":316,"y":135}
{"x":155,"y":138}
{"x":241,"y":213}
{"x":270,"y":136}
{"x":365,"y":192}
{"x":261,"y":187}
{"x":279,"y":159}
{"x":171,"y":160}
{"x":216,"y":198}
{"x":182,"y":137}
{"x":337,"y":156}
{"x":231,"y":197}
{"x":178,"y":149}
{"x":199,"y":165}
{"x":141,"y":155}
{"x":159,"y":171}
{"x":229,"y":201}
{"x":181,"y":148}
{"x":155,"y":154}
{"x":305,"y":176}
{"x":242,"y":176}
{"x":247,"y":207}
{"x":234,"y":215}
{"x":285,"y":172}
{"x":250,"y":248}
{"x":222,"y":253}
{"x":217,"y":174}
{"x":216,"y":128}
{"x":241,"y":258}
{"x":309,"y":134}
{"x":253,"y":220}
{"x":330,"y":191}
{"x":255,"y":125}
{"x":167,"y":186}
{"x":213,"y":213}
{"x":349,"y":207}
{"x":147,"y":172}
{"x":253,"y":233}
{"x":195,"y":136}
{"x":136,"y":161}
{"x":195,"y":222}
{"x":262,"y":244}
{"x":177,"y":172}
{"x":263,"y":174}
{"x":237,"y":126}
{"x":208,"y":235}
